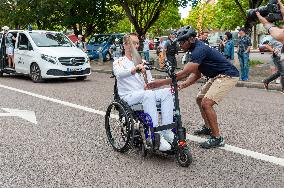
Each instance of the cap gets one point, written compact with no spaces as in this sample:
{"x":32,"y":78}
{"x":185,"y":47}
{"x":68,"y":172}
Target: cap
{"x":6,"y":28}
{"x":242,"y":29}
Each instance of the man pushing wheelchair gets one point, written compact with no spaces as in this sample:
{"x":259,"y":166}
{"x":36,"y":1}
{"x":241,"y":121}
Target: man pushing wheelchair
{"x":222,"y":77}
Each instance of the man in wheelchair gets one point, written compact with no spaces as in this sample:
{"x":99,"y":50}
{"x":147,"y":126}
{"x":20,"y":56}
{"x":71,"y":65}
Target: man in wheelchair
{"x":131,"y":81}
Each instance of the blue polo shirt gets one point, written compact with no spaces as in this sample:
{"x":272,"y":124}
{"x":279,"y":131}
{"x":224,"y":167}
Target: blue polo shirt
{"x":211,"y":62}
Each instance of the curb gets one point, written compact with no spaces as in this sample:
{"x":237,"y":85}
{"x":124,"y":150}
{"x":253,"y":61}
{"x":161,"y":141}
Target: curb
{"x":257,"y":85}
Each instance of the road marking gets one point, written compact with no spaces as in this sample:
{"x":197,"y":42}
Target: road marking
{"x":25,"y":114}
{"x":255,"y":155}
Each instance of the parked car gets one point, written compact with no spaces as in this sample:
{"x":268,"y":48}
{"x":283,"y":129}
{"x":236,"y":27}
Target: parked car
{"x":44,"y":55}
{"x":73,"y":37}
{"x":102,"y":42}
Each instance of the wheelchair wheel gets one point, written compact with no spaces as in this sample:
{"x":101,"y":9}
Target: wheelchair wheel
{"x":184,"y":157}
{"x":119,"y":126}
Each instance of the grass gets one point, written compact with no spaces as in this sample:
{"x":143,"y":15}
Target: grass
{"x":255,"y":62}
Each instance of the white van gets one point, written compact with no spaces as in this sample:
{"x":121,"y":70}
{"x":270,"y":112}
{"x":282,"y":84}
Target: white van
{"x":46,"y":54}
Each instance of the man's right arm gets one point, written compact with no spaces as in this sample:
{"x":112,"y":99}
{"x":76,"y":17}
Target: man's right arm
{"x":192,"y":78}
{"x":276,"y":32}
{"x":121,"y":72}
{"x":187,"y":70}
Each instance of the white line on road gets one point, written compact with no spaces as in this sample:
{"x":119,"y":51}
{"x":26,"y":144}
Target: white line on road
{"x":255,"y":155}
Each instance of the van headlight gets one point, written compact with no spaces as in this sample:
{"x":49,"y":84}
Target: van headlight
{"x":48,"y":58}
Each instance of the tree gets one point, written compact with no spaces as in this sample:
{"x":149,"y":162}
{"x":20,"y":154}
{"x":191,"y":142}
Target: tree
{"x":238,"y":11}
{"x":144,"y":13}
{"x":88,"y":15}
{"x":93,"y":16}
{"x":20,"y":13}
{"x":201,"y":17}
{"x":169,"y":20}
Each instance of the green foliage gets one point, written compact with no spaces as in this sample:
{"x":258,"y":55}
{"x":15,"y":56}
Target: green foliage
{"x":255,"y":62}
{"x":144,"y":13}
{"x":168,"y":20}
{"x":224,"y":15}
{"x":228,"y":15}
{"x":88,"y":15}
{"x":201,"y":17}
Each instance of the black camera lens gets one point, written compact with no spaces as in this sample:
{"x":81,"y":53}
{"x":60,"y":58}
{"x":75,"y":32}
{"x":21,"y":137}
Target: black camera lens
{"x":271,"y":12}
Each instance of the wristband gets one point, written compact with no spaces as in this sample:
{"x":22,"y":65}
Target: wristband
{"x":269,"y":26}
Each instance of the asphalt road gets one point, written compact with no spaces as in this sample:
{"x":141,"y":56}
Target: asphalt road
{"x":68,"y":146}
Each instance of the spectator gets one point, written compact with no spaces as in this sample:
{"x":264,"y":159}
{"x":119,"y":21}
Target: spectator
{"x":161,"y":52}
{"x":146,"y":49}
{"x":9,"y":46}
{"x":171,"y":49}
{"x":228,"y":44}
{"x":81,"y":44}
{"x":275,"y":47}
{"x":116,"y":49}
{"x":204,"y":37}
{"x":243,"y":50}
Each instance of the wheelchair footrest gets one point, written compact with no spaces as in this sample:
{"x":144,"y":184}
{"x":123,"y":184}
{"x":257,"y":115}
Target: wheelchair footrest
{"x":164,"y":127}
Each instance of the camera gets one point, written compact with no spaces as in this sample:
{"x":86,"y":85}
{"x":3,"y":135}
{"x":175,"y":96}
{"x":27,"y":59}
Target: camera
{"x":271,"y":12}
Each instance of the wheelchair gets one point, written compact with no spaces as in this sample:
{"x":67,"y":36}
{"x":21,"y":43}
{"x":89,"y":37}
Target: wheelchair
{"x":129,"y":127}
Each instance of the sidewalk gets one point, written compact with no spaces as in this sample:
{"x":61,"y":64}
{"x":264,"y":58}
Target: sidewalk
{"x":257,"y":73}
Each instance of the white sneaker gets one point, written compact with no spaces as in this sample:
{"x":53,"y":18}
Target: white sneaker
{"x":168,"y":135}
{"x":164,"y":145}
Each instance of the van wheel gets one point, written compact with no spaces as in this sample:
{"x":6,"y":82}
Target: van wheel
{"x":35,"y":73}
{"x":81,"y":78}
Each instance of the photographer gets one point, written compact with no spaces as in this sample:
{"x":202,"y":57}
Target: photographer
{"x":276,"y":32}
{"x":222,"y":75}
{"x":275,"y":47}
{"x":229,"y":45}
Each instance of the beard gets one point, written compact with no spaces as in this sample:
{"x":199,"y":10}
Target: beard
{"x":136,"y":58}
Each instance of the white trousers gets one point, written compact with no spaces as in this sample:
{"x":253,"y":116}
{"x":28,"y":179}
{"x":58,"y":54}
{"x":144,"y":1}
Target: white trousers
{"x":148,"y":99}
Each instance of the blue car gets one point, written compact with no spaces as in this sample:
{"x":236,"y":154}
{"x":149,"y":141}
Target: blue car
{"x":102,"y":42}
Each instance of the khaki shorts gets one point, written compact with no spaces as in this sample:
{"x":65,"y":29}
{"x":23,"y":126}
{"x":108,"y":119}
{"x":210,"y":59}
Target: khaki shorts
{"x":216,"y":88}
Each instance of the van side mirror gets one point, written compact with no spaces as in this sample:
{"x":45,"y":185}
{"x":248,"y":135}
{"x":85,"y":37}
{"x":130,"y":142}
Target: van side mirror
{"x":23,"y":47}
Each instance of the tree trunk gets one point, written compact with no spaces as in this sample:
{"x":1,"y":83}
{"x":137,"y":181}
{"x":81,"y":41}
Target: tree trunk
{"x":254,"y":37}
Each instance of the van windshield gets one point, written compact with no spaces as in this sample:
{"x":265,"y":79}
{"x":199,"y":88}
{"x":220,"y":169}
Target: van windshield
{"x":50,"y":39}
{"x":99,"y":39}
